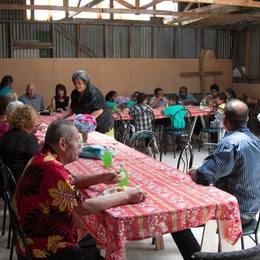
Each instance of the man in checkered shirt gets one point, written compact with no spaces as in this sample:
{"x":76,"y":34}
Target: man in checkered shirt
{"x":142,"y":114}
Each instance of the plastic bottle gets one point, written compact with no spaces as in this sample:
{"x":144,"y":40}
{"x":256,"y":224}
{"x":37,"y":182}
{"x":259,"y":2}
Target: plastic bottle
{"x":122,"y":176}
{"x":107,"y":158}
{"x":201,"y":105}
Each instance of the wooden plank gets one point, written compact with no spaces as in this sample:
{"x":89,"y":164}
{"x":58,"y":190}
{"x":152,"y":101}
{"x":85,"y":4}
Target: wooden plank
{"x":111,"y":5}
{"x":197,"y":74}
{"x":32,"y":11}
{"x":66,"y":4}
{"x":53,"y":40}
{"x":125,"y":4}
{"x":118,"y":10}
{"x":189,"y":5}
{"x":10,"y":36}
{"x":248,"y":52}
{"x":32,"y":45}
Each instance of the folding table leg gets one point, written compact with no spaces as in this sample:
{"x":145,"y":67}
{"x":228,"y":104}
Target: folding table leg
{"x":208,"y":237}
{"x":159,"y":243}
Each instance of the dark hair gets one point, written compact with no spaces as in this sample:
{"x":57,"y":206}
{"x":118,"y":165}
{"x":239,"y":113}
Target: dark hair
{"x":214,"y":87}
{"x":134,"y":95}
{"x":81,"y":75}
{"x":140,"y":98}
{"x":236,"y":112}
{"x":6,"y":81}
{"x":222,"y":96}
{"x":57,"y":129}
{"x":60,"y":87}
{"x":110,"y":94}
{"x":231,"y":92}
{"x":175,"y":98}
{"x":5,"y":100}
{"x":156,"y":91}
{"x":183,"y":87}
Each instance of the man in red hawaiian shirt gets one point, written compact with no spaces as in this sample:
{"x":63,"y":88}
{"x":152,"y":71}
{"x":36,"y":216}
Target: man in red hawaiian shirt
{"x":47,"y":204}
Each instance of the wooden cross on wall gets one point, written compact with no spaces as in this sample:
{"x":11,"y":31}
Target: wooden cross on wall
{"x":202,"y":73}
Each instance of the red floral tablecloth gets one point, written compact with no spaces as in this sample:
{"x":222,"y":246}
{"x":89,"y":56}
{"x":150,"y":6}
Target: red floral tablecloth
{"x":173,"y":202}
{"x":194,"y":110}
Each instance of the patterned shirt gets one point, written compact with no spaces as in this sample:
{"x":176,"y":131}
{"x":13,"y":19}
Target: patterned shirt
{"x":45,"y":201}
{"x":235,"y":168}
{"x":143,"y":117}
{"x":155,"y":102}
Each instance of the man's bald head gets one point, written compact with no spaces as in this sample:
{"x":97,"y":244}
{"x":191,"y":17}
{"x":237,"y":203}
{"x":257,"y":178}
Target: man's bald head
{"x":236,"y":112}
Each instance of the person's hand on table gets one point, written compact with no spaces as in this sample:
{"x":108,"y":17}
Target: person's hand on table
{"x":135,"y":195}
{"x":193,"y":173}
{"x":108,"y":178}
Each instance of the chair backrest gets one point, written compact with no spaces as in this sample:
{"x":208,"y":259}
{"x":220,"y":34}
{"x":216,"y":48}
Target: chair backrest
{"x":185,"y":160}
{"x":129,"y":130}
{"x":7,"y":179}
{"x":247,"y":254}
{"x":18,"y":233}
{"x":182,"y":119}
{"x":147,"y":142}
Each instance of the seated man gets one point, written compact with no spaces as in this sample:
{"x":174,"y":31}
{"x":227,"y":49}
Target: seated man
{"x":234,"y":167}
{"x":185,"y":97}
{"x":158,"y":100}
{"x":31,"y":98}
{"x":47,"y":203}
{"x":209,"y":100}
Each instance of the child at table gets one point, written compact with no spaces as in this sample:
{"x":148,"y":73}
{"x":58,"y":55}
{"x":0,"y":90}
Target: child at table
{"x":142,"y":113}
{"x":131,"y":102}
{"x":110,"y":98}
{"x":177,"y":122}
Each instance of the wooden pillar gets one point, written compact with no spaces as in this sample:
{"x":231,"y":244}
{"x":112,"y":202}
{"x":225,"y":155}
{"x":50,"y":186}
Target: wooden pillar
{"x":111,"y":5}
{"x":66,"y":4}
{"x":32,"y":11}
{"x":202,"y":69}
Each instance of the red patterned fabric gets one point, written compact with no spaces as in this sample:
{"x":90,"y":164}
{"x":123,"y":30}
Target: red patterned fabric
{"x":45,"y":203}
{"x":194,"y":110}
{"x":174,"y":202}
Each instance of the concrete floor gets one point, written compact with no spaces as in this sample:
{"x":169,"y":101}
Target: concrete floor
{"x":141,"y":250}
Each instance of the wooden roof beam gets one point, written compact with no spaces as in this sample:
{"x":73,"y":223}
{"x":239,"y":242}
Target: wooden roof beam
{"x":123,"y":11}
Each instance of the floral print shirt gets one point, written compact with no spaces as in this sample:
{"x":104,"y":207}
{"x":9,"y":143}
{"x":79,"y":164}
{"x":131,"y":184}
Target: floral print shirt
{"x":45,"y":201}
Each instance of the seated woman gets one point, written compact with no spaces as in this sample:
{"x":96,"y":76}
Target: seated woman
{"x":20,"y":144}
{"x":131,"y":102}
{"x":111,"y":100}
{"x":4,"y":101}
{"x":6,"y":85}
{"x":60,"y":101}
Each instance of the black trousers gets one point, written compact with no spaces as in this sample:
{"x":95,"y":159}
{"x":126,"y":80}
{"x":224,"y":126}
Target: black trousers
{"x":186,"y":243}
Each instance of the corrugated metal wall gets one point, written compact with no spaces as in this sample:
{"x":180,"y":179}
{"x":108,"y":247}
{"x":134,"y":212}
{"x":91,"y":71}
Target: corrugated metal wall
{"x":254,"y":70}
{"x":12,"y":14}
{"x":4,"y":40}
{"x":113,"y":41}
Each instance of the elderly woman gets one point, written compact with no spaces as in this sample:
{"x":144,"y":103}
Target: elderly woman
{"x":19,"y":144}
{"x":87,"y":99}
{"x":4,"y":101}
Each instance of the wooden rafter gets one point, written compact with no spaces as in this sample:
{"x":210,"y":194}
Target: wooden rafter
{"x":126,"y":11}
{"x":125,"y":4}
{"x":89,"y":5}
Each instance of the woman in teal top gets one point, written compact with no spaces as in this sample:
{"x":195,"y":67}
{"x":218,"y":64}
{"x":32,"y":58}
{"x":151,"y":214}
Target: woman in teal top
{"x":131,"y":102}
{"x":111,"y":100}
{"x":6,"y":85}
{"x":177,"y":121}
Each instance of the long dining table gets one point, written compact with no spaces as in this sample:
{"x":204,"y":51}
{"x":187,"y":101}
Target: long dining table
{"x":195,"y":112}
{"x":174,"y":202}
